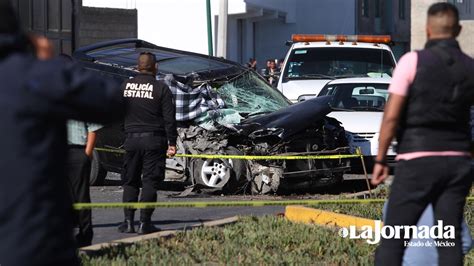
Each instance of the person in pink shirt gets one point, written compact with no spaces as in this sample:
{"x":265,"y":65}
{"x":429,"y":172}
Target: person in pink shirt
{"x":428,"y":111}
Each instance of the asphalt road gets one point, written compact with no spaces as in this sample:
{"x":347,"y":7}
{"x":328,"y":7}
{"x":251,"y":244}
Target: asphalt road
{"x":105,"y":221}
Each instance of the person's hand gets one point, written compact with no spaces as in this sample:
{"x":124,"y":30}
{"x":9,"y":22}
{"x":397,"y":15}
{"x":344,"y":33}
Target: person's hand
{"x":88,"y":153}
{"x":171,"y":151}
{"x":44,"y":48}
{"x":379,"y":174}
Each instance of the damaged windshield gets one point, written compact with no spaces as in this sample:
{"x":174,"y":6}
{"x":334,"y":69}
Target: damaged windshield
{"x":248,"y":94}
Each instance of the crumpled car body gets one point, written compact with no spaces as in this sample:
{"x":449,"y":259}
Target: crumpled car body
{"x":225,"y":108}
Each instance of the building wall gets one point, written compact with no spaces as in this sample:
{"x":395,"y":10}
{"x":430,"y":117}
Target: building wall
{"x":259,"y":28}
{"x":400,"y":30}
{"x":69,"y":25}
{"x":418,"y":24}
{"x":102,"y":24}
{"x":365,"y":17}
{"x":265,"y":37}
{"x":387,"y":22}
{"x":50,"y":18}
{"x":178,"y":24}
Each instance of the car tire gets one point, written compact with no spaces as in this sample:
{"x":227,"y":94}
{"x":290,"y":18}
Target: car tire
{"x":98,"y":173}
{"x":229,"y":175}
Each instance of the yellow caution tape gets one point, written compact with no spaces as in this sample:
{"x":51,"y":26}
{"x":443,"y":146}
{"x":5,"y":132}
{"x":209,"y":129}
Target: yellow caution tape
{"x":253,"y":157}
{"x":206,"y":204}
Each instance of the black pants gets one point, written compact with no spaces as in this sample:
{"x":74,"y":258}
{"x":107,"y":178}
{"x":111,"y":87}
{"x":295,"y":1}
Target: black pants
{"x":145,"y":157}
{"x":78,"y":176}
{"x":441,"y":181}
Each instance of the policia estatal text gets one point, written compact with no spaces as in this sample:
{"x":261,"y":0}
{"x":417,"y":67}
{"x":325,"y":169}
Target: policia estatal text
{"x":150,"y":129}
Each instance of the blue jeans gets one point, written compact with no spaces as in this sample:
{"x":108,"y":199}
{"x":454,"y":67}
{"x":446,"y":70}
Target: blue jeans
{"x":429,"y":255}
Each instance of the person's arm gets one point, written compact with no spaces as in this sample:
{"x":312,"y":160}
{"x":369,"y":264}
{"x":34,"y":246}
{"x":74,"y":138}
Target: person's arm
{"x":91,"y":138}
{"x":403,"y":77}
{"x":169,"y":116}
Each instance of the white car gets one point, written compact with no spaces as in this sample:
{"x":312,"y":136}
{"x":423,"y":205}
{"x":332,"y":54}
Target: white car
{"x":358,"y":103}
{"x":314,"y":60}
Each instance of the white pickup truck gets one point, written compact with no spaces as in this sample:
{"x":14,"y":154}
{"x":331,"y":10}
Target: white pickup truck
{"x":314,"y":60}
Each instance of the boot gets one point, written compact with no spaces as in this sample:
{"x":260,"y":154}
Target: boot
{"x":146,"y":227}
{"x":127,"y":226}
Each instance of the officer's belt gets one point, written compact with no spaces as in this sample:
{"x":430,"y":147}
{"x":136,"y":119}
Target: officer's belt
{"x":144,"y":134}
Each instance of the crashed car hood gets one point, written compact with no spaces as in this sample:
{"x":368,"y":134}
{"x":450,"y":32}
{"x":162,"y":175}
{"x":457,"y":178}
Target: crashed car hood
{"x":290,"y":120}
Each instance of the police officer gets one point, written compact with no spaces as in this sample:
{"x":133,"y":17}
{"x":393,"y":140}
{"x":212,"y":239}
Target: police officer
{"x":36,"y":100}
{"x":150,"y":129}
{"x":430,"y":97}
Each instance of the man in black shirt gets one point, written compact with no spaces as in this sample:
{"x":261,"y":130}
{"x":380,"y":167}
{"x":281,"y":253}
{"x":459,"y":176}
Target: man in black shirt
{"x":150,"y":129}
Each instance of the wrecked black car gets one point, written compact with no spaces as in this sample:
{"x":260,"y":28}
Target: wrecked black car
{"x":224,"y":108}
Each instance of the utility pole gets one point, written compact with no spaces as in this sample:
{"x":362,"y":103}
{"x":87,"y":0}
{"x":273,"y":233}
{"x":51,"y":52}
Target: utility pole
{"x":222,"y":29}
{"x":210,"y":49}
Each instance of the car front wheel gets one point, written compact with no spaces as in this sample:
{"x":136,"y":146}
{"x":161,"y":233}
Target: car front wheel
{"x":226,"y":175}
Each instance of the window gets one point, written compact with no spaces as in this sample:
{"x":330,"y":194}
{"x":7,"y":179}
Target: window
{"x":401,"y":9}
{"x":465,"y":8}
{"x":357,"y":96}
{"x":365,"y":8}
{"x":377,"y":8}
{"x":324,"y":63}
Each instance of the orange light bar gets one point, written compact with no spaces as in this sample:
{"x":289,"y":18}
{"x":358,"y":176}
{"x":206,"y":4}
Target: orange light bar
{"x":341,"y":38}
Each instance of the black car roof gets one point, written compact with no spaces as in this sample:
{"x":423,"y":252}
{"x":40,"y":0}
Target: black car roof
{"x":124,"y":53}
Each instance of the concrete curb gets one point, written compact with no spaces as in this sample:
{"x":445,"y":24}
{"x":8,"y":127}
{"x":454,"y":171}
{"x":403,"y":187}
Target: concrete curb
{"x":307,"y":215}
{"x":169,"y":233}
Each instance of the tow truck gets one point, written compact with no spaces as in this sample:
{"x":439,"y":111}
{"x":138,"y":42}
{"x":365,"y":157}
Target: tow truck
{"x":313,"y":60}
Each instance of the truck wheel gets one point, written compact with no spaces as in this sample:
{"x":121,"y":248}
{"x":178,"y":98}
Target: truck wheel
{"x":98,"y":173}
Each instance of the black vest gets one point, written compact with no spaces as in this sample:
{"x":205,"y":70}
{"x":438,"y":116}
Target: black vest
{"x":437,"y":113}
{"x":142,"y":96}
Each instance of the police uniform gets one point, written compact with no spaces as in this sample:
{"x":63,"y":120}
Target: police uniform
{"x":36,"y":99}
{"x":150,"y":126}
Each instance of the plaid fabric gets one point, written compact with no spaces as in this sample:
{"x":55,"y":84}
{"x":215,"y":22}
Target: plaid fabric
{"x":192,"y":102}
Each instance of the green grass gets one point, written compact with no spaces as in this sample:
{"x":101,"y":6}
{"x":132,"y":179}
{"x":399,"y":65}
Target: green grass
{"x":261,"y":241}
